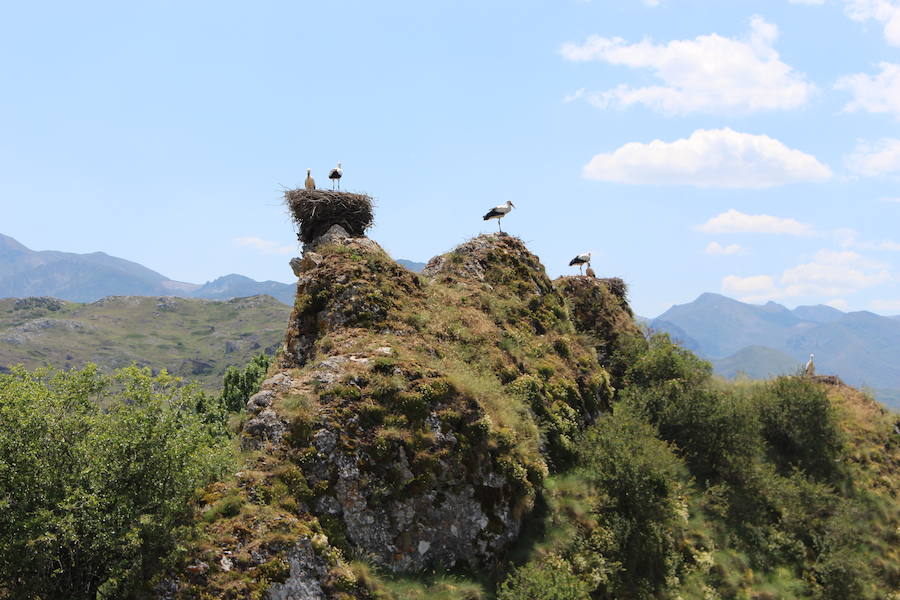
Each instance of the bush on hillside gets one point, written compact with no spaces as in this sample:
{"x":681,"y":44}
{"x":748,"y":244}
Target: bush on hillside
{"x":639,"y":504}
{"x":801,"y":426}
{"x":238,"y":385}
{"x":95,"y":472}
{"x":550,"y":578}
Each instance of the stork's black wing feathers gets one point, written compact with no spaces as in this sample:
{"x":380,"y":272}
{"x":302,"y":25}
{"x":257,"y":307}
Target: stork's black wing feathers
{"x":493,"y":213}
{"x":335,"y":174}
{"x":576,"y":261}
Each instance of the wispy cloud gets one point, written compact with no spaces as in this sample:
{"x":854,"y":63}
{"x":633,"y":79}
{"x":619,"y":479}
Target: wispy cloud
{"x":873,"y":93}
{"x":264,"y":246}
{"x":710,"y":73}
{"x":715,"y":248}
{"x":874,"y":159}
{"x":886,"y":306}
{"x":886,"y":12}
{"x":829,"y":274}
{"x":721,"y":158}
{"x":733,"y":221}
{"x":756,"y":288}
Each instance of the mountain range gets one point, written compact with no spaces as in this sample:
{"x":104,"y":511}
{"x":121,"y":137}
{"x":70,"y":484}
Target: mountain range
{"x":862,"y":348}
{"x":90,"y":277}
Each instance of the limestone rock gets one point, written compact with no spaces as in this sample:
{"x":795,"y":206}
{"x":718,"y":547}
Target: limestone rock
{"x":266,"y":427}
{"x":307,"y":571}
{"x":297,"y":266}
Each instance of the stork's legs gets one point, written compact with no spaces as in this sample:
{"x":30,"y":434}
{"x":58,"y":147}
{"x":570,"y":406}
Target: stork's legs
{"x":500,"y":229}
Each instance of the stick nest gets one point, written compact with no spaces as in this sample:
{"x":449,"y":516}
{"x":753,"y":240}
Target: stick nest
{"x":316,"y":211}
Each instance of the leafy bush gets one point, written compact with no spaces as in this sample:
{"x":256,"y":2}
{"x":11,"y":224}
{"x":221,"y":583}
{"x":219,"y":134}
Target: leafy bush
{"x":640,"y":508}
{"x":549,"y":579}
{"x":238,"y":385}
{"x":95,"y":472}
{"x":801,"y":426}
{"x":662,"y":361}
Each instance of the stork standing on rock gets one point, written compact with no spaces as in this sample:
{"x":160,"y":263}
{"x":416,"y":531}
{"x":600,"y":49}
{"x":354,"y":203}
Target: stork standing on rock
{"x":498,"y":212}
{"x":310,"y":182}
{"x":581,"y":260}
{"x":335,"y":176}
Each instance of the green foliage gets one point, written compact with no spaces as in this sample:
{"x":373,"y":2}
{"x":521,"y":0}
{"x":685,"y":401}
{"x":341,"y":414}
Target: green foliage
{"x":549,"y":579}
{"x":640,"y":506}
{"x":95,"y":472}
{"x":800,"y":425}
{"x":664,"y":362}
{"x":238,"y":385}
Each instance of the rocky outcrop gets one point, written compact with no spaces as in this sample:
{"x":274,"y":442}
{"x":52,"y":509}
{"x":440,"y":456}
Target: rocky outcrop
{"x":411,"y":419}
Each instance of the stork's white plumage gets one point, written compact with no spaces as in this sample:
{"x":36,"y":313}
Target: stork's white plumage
{"x":498,"y":212}
{"x":310,"y":182}
{"x":810,"y":367}
{"x":335,"y":176}
{"x":581,"y":260}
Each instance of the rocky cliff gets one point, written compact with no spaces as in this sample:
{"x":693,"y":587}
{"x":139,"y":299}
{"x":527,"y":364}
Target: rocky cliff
{"x":410,"y":421}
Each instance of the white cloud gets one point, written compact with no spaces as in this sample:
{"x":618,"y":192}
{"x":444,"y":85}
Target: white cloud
{"x":716,"y":248}
{"x":811,"y":2}
{"x":709,"y":158}
{"x":839,"y":303}
{"x":264,"y":246}
{"x":897,"y":200}
{"x":886,"y":12}
{"x":849,"y":238}
{"x":881,"y":158}
{"x":829,"y":274}
{"x":874,"y":93}
{"x":886,"y":306}
{"x":710,"y":73}
{"x":757,"y":288}
{"x":834,"y":273}
{"x":733,"y":221}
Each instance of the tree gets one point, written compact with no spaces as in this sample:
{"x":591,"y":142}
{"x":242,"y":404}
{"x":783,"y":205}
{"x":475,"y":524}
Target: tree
{"x":95,"y":472}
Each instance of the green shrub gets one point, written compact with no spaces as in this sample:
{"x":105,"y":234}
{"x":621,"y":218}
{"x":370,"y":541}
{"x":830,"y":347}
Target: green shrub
{"x":801,"y":427}
{"x":90,"y":495}
{"x":548,"y":579}
{"x":640,"y":509}
{"x":238,"y":385}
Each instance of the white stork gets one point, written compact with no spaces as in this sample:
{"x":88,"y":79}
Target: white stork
{"x":810,"y":369}
{"x":335,"y":176}
{"x":310,"y":182}
{"x":498,"y":212}
{"x":581,"y":260}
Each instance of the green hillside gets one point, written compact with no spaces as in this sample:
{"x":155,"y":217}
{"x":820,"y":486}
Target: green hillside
{"x":473,"y":432}
{"x":193,"y":338}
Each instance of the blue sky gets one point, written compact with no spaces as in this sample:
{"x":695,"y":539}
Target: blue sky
{"x":747,"y":148}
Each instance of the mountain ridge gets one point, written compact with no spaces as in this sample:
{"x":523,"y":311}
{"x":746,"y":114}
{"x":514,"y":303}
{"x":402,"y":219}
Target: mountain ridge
{"x":765,"y":340}
{"x":92,"y":276}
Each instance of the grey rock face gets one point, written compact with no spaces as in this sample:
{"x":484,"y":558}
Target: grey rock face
{"x":307,"y":570}
{"x":260,"y":400}
{"x":296,"y":266}
{"x":266,"y":427}
{"x":448,"y":525}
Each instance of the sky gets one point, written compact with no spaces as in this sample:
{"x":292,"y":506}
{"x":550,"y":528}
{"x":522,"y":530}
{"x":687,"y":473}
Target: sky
{"x":748,"y":148}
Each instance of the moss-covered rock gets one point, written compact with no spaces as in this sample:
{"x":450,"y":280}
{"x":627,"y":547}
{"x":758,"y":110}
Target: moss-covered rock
{"x":411,"y":419}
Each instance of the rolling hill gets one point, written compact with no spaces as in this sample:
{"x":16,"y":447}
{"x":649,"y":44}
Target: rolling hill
{"x":194,"y":338}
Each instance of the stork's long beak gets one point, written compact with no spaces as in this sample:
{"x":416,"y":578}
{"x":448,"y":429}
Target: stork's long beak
{"x":511,"y":204}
